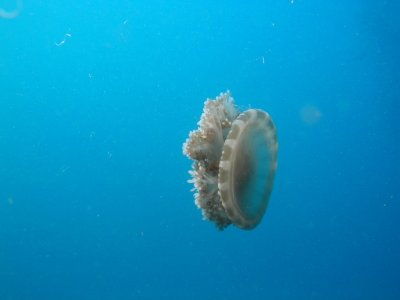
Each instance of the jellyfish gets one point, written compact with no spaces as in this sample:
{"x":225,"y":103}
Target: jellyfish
{"x":234,"y":163}
{"x":11,"y":14}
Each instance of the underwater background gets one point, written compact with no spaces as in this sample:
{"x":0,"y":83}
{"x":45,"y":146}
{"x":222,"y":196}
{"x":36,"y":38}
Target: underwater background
{"x":97,"y":98}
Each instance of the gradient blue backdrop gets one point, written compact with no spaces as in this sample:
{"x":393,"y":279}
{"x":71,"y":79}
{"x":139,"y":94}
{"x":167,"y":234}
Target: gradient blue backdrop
{"x":97,"y":98}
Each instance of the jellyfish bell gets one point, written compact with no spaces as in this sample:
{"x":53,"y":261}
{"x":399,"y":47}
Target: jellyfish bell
{"x":234,"y":162}
{"x":247,"y":168}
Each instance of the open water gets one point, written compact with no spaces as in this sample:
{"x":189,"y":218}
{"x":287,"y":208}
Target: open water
{"x":97,"y":98}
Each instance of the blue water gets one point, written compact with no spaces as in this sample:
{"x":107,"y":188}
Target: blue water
{"x":97,"y":98}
